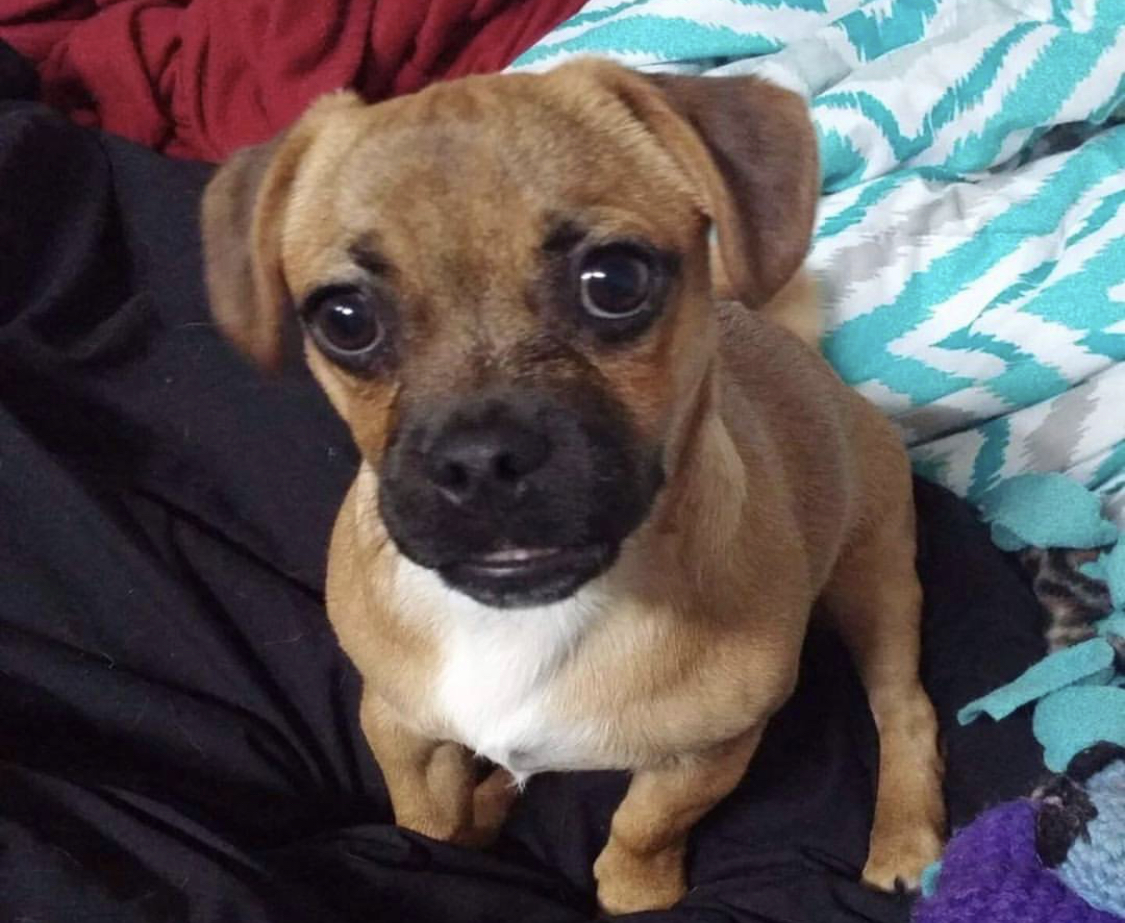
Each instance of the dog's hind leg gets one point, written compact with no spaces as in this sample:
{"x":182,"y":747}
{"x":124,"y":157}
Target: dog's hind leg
{"x":875,"y":600}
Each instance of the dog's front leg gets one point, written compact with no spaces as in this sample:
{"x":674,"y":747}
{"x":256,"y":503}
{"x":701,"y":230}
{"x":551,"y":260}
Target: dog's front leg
{"x":432,"y":783}
{"x":642,"y":864}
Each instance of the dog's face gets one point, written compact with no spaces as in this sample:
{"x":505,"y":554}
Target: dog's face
{"x":503,"y":285}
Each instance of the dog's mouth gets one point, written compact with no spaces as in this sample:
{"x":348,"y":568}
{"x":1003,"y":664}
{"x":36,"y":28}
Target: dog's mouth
{"x":521,"y":577}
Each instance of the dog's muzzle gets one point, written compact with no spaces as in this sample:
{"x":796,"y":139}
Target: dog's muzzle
{"x":514,"y":497}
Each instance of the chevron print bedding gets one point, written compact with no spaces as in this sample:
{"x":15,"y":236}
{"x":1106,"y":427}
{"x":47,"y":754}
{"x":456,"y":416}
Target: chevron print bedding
{"x":971,"y":239}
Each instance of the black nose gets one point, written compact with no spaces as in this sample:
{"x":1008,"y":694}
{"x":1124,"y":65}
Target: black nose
{"x":485,"y":460}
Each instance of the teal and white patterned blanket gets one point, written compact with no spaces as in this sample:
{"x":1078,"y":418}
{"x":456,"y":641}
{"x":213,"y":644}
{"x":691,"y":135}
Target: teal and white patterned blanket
{"x":972,"y":231}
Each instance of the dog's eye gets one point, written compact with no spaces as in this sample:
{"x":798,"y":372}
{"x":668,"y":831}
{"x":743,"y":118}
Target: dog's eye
{"x":348,"y":325}
{"x":615,"y":283}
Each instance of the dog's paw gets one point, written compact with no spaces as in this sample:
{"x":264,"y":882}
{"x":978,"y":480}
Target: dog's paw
{"x":896,"y":861}
{"x":629,"y":883}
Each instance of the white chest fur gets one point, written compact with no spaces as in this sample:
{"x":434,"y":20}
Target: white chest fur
{"x":498,"y":674}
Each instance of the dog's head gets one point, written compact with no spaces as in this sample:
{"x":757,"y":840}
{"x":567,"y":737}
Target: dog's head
{"x":504,"y":286}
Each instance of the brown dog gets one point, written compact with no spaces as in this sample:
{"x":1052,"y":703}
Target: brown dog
{"x":595,"y":506}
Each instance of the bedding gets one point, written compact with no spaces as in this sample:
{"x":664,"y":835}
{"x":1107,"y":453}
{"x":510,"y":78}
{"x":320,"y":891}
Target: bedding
{"x":178,"y":732}
{"x":200,"y":78}
{"x":1054,"y":856}
{"x":971,"y":239}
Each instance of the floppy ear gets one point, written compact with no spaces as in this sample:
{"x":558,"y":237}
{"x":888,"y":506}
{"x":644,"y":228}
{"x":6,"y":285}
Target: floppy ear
{"x":242,"y":211}
{"x":750,"y":149}
{"x":242,"y":217}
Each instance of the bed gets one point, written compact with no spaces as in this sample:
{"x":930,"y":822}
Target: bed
{"x":178,"y":732}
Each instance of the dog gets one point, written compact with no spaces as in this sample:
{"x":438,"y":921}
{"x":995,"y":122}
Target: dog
{"x":604,"y":475}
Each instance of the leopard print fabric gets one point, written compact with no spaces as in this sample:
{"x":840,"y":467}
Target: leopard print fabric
{"x":1073,"y":601}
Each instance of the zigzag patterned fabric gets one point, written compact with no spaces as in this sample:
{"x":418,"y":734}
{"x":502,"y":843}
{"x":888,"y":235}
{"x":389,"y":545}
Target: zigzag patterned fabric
{"x":971,"y":239}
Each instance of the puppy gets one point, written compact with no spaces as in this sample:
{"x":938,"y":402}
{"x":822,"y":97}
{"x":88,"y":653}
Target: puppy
{"x":597,"y":501}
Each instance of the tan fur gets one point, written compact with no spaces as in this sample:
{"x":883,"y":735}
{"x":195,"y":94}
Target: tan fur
{"x":783,"y":486}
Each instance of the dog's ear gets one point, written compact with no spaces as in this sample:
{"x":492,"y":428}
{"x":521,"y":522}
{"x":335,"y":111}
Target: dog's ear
{"x":242,"y":219}
{"x":750,"y":149}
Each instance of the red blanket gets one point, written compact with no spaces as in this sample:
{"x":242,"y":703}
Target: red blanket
{"x":199,"y":78}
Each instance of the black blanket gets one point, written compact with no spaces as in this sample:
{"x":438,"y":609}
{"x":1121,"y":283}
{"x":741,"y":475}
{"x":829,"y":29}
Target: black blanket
{"x":178,"y":732}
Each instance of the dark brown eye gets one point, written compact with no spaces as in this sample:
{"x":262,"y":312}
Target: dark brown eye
{"x":348,"y":325}
{"x":615,"y":283}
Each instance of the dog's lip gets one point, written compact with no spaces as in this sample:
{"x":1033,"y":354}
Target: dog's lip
{"x":525,"y":564}
{"x":523,"y":576}
{"x":505,"y":558}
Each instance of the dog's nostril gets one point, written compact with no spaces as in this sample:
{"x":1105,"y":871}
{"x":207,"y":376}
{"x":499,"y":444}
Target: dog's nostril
{"x":507,"y":467}
{"x":475,"y":462}
{"x":453,"y":476}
